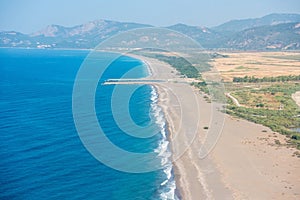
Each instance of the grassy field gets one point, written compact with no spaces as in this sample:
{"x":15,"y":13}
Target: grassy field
{"x":258,"y":64}
{"x":264,"y":93}
{"x":270,"y":105}
{"x":265,"y":102}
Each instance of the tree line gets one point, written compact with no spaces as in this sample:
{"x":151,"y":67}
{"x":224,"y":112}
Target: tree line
{"x":253,"y":79}
{"x":181,"y":64}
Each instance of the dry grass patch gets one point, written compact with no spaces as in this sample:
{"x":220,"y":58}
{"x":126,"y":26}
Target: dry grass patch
{"x":258,"y":64}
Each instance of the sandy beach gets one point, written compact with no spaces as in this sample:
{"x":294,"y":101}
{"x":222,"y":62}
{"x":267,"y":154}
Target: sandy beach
{"x":246,"y":163}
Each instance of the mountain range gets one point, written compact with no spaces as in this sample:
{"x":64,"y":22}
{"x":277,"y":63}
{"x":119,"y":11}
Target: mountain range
{"x":271,"y":32}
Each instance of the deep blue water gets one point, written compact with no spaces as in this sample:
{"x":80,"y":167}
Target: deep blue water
{"x":41,"y":154}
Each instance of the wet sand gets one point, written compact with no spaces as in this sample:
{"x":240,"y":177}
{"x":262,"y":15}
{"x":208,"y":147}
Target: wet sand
{"x":246,"y":163}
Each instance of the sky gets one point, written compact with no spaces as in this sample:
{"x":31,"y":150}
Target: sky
{"x":28,"y":16}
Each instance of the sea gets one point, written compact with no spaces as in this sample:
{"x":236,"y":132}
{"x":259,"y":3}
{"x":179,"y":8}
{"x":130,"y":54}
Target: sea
{"x":41,"y":153}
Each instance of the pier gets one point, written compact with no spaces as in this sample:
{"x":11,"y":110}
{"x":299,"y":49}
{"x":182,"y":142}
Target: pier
{"x":136,"y":81}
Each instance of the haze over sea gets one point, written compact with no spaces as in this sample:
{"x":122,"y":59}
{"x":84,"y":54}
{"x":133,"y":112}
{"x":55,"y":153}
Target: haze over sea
{"x":41,"y":154}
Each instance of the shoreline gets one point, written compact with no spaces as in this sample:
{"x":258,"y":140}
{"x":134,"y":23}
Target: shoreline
{"x":246,"y":163}
{"x":152,"y":75}
{"x":188,"y":185}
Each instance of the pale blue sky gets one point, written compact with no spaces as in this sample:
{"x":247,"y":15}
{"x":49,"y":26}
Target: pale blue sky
{"x":31,"y":15}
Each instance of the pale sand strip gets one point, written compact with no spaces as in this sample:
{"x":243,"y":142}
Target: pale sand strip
{"x":253,"y":166}
{"x":235,"y":101}
{"x":296,"y":97}
{"x":245,"y":164}
{"x":195,"y":178}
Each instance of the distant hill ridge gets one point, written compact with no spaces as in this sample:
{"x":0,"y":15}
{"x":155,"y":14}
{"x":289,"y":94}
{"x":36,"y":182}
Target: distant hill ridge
{"x":243,"y":24}
{"x":271,"y":32}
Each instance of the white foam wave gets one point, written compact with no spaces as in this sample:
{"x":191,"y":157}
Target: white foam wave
{"x":148,"y":68}
{"x":170,"y":194}
{"x":168,"y":186}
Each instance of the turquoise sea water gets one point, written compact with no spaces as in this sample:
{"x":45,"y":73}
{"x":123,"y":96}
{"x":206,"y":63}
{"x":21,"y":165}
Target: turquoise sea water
{"x":41,"y":154}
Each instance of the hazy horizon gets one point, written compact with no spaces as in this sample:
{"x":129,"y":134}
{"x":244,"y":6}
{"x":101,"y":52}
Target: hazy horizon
{"x":32,"y":15}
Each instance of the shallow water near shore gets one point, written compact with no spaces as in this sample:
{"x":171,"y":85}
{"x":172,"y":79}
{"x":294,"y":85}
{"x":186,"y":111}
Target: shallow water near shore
{"x":40,"y":151}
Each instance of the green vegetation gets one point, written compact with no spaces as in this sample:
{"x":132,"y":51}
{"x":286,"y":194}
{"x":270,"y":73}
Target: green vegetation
{"x":252,"y":79}
{"x":201,"y":60}
{"x":265,"y":101}
{"x":186,"y":68}
{"x":215,"y":90}
{"x":277,"y":142}
{"x":201,"y":85}
{"x":241,"y":68}
{"x":260,"y":107}
{"x":181,"y":64}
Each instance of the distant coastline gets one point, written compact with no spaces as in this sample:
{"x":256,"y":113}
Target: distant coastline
{"x":273,"y":32}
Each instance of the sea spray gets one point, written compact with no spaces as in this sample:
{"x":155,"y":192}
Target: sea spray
{"x":168,"y":186}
